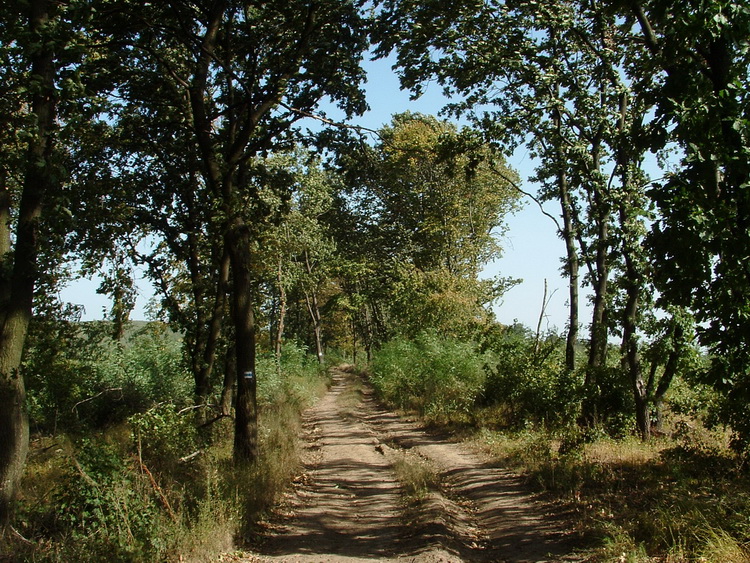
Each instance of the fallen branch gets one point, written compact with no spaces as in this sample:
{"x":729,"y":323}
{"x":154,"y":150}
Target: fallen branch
{"x":159,"y":492}
{"x":108,"y":390}
{"x":215,"y":419}
{"x":196,"y":407}
{"x":18,"y":535}
{"x":191,"y":456}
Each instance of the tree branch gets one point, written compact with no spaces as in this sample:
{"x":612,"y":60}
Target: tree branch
{"x":331,"y":122}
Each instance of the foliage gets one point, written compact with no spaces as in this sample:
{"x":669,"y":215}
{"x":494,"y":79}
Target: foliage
{"x":439,"y":377}
{"x":107,"y":507}
{"x":78,"y":377}
{"x":157,"y":488}
{"x":426,"y":205}
{"x":527,"y":382}
{"x":292,"y":385}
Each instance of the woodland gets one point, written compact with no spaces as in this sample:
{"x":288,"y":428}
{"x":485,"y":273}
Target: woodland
{"x":189,"y":139}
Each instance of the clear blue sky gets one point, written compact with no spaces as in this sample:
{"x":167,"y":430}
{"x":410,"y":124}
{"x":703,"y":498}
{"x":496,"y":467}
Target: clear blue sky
{"x":532,"y":248}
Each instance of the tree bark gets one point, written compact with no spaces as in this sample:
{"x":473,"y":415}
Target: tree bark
{"x":572,"y":269}
{"x":17,"y":281}
{"x":598,"y":335}
{"x":312,"y":306}
{"x":246,"y":406}
{"x":213,"y":333}
{"x":230,"y":379}
{"x":282,"y":314}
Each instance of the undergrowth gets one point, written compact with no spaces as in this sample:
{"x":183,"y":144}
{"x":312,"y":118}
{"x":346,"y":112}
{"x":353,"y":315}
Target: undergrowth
{"x":161,"y":485}
{"x":681,"y":498}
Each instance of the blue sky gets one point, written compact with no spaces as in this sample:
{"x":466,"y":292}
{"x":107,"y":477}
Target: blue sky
{"x":532,"y":248}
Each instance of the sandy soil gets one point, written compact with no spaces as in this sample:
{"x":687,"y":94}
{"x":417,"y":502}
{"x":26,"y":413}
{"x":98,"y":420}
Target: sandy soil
{"x":347,"y":506}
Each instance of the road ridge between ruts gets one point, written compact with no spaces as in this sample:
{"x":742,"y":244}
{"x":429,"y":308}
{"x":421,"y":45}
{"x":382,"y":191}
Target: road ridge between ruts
{"x":346,"y":506}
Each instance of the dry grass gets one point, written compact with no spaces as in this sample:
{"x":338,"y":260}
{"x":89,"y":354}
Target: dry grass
{"x":416,"y":475}
{"x":77,"y":510}
{"x":677,"y":499}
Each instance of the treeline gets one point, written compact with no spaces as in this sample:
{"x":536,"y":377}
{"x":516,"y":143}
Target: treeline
{"x":169,"y":137}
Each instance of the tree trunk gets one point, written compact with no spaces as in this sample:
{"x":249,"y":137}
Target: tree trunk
{"x":572,"y":267}
{"x":213,"y":333}
{"x":282,"y":315}
{"x":230,"y":379}
{"x":598,"y":335}
{"x":246,"y":406}
{"x":17,"y":280}
{"x":14,"y":424}
{"x":312,"y":307}
{"x":632,"y":356}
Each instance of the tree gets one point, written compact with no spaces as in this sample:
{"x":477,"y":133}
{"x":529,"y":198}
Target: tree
{"x":564,"y":79}
{"x":700,"y":242}
{"x":46,"y":48}
{"x":521,"y":74}
{"x":241,"y":76}
{"x":431,"y":206}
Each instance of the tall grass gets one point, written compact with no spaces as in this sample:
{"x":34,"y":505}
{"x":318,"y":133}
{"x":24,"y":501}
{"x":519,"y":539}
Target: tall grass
{"x":675,"y":499}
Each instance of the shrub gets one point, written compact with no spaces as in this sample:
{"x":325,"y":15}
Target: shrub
{"x":528,"y":379}
{"x":106,"y":510}
{"x":79,"y":378}
{"x":124,"y":494}
{"x":441,"y":378}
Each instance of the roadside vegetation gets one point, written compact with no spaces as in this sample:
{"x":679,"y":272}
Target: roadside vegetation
{"x":682,"y":496}
{"x":125,"y":467}
{"x":197,"y":144}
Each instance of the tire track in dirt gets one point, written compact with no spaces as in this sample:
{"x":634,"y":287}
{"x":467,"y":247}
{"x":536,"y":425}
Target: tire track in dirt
{"x":347,"y":506}
{"x":513,"y":526}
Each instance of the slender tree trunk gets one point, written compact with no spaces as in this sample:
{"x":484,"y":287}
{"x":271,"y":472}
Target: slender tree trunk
{"x":230,"y":380}
{"x":312,"y":307}
{"x":213,"y":332}
{"x":598,"y":334}
{"x":632,"y":356}
{"x":538,"y":337}
{"x":572,"y":268}
{"x":569,"y":236}
{"x":670,"y":370}
{"x":282,"y":314}
{"x":17,"y":279}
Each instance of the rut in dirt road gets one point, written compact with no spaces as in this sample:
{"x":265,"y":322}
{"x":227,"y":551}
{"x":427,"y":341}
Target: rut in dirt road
{"x":348,"y":506}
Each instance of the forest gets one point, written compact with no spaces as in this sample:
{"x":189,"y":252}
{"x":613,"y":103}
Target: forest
{"x":189,"y":140}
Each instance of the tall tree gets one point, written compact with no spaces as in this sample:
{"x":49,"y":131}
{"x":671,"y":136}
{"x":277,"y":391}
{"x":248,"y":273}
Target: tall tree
{"x":242,"y":76}
{"x":561,"y":78}
{"x":432,"y":205}
{"x":702,"y":240}
{"x":523,"y":73}
{"x":44,"y":48}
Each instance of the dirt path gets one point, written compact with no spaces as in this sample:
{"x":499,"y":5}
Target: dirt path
{"x":348,"y":504}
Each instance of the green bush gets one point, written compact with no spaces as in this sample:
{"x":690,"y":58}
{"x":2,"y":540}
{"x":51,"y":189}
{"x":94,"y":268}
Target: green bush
{"x":528,"y":380}
{"x":106,"y":510}
{"x":79,"y":378}
{"x":441,"y":378}
{"x":123,"y":493}
{"x":295,"y":378}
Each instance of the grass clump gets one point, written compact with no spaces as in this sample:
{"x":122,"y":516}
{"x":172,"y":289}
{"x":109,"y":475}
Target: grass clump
{"x":674,"y":499}
{"x":416,"y":475}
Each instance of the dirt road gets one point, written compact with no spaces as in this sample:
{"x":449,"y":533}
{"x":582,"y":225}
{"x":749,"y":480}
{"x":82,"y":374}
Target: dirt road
{"x":349,"y":506}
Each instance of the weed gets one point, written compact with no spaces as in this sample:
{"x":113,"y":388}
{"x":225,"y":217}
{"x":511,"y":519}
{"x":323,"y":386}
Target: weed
{"x":416,"y":475}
